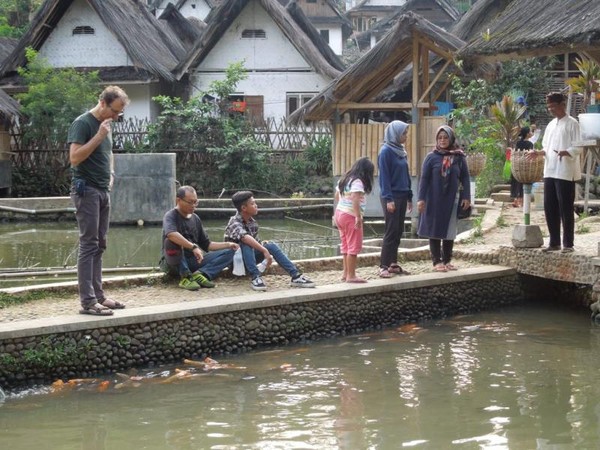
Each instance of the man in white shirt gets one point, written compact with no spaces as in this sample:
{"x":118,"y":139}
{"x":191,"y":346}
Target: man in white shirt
{"x":562,"y":169}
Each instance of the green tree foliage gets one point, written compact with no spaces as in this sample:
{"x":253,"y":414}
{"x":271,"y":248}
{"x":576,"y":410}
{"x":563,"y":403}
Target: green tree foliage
{"x":486,"y":115}
{"x":14,"y":16}
{"x":54,"y":98}
{"x":221,"y":151}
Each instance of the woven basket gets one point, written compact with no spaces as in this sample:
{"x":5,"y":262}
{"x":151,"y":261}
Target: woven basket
{"x":526,"y":171}
{"x":475,"y":162}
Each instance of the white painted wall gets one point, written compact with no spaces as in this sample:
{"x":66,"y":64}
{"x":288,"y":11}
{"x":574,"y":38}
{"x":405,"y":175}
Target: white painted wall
{"x":139,"y":97}
{"x":273,"y":53}
{"x":62,"y":49}
{"x":195,"y":8}
{"x":191,"y":8}
{"x":335,"y":38}
{"x":273,"y":86}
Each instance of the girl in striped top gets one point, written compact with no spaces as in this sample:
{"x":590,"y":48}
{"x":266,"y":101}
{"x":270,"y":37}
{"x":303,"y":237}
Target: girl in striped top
{"x":350,"y":196}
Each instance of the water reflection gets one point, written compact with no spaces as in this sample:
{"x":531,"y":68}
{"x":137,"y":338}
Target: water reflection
{"x":487,"y":381}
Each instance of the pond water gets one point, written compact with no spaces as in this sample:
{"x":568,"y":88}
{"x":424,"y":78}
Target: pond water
{"x":42,"y":244}
{"x":520,"y":378}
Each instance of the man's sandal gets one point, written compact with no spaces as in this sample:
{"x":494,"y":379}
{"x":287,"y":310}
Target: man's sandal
{"x":96,"y":310}
{"x":111,"y":304}
{"x":395,"y":268}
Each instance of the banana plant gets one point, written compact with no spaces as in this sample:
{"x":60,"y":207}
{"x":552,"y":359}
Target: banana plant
{"x":507,"y":114}
{"x":588,"y":82}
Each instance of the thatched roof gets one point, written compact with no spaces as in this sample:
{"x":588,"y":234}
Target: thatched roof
{"x":184,"y":30}
{"x":340,"y":18}
{"x":220,"y":18}
{"x":130,"y":21}
{"x":375,"y":71}
{"x":7,"y":45}
{"x":529,"y":28}
{"x":304,"y":23}
{"x":383,"y":26}
{"x":9,"y":107}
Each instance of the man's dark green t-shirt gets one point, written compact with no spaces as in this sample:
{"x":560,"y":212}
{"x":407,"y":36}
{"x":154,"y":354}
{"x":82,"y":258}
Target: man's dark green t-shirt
{"x":95,"y":170}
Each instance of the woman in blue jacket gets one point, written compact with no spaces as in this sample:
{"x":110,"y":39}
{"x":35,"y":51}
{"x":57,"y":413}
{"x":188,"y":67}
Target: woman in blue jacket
{"x":395,"y":194}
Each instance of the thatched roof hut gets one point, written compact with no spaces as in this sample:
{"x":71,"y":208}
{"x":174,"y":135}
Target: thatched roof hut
{"x":137,"y":30}
{"x":218,"y":21}
{"x":375,"y":71}
{"x":447,"y":15}
{"x":503,"y":29}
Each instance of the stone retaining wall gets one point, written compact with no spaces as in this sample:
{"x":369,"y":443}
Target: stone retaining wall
{"x":89,"y":346}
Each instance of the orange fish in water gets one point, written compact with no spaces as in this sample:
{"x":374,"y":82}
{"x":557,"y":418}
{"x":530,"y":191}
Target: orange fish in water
{"x":103,"y":386}
{"x":407,"y":328}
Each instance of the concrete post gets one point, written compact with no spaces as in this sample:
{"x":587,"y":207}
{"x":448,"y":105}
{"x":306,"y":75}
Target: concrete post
{"x":144,"y":188}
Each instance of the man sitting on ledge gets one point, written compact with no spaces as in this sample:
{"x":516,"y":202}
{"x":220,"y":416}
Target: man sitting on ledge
{"x":184,"y":241}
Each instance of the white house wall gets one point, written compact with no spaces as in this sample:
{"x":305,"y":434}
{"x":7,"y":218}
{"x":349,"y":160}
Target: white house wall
{"x":139,"y":100}
{"x":275,"y":52}
{"x":62,"y":49}
{"x":336,"y":41}
{"x":192,"y":8}
{"x":273,"y":86}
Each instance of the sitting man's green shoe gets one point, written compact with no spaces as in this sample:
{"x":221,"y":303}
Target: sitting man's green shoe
{"x":189,"y":284}
{"x":201,"y":280}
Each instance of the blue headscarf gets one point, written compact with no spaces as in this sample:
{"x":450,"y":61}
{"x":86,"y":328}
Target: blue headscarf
{"x":393,"y":131}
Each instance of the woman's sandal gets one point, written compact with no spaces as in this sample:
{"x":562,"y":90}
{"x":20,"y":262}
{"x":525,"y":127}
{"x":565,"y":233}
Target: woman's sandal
{"x":96,"y":310}
{"x":440,"y":268}
{"x":384,"y":273}
{"x":395,"y":268}
{"x":451,"y":267}
{"x":112,"y":304}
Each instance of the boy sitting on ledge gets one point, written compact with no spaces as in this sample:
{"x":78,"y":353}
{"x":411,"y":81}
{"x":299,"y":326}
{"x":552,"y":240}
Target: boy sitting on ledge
{"x":243,"y":230}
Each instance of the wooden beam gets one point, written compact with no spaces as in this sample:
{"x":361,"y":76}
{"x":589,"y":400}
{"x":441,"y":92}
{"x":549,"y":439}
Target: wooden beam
{"x":441,"y":90}
{"x":435,"y":80}
{"x":432,"y":46}
{"x":378,"y":106}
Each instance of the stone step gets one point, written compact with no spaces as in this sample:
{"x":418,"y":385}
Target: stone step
{"x":502,"y":196}
{"x":500,"y":187}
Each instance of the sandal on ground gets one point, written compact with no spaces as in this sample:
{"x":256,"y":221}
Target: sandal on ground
{"x":356,"y":280}
{"x":384,"y":273}
{"x":96,"y":310}
{"x":112,"y":304}
{"x":440,"y":268}
{"x":451,"y":267}
{"x":395,"y":268}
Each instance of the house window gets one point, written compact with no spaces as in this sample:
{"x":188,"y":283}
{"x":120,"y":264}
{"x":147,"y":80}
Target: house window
{"x":325,"y":35}
{"x":83,"y":29}
{"x":372,"y":22}
{"x":254,"y":34}
{"x":296,"y":100}
{"x":311,"y":1}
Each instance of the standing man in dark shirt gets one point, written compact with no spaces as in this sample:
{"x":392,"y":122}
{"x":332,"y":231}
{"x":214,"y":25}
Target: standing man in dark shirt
{"x":90,"y":154}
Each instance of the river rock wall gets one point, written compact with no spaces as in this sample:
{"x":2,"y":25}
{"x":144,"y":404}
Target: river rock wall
{"x":107,"y":346}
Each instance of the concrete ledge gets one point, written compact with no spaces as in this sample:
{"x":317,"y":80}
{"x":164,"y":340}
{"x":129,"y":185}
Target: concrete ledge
{"x":291,"y":296}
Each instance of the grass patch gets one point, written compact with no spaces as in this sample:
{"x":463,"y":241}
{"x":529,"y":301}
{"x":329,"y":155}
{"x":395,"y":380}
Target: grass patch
{"x":501,"y":222}
{"x":7,"y":300}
